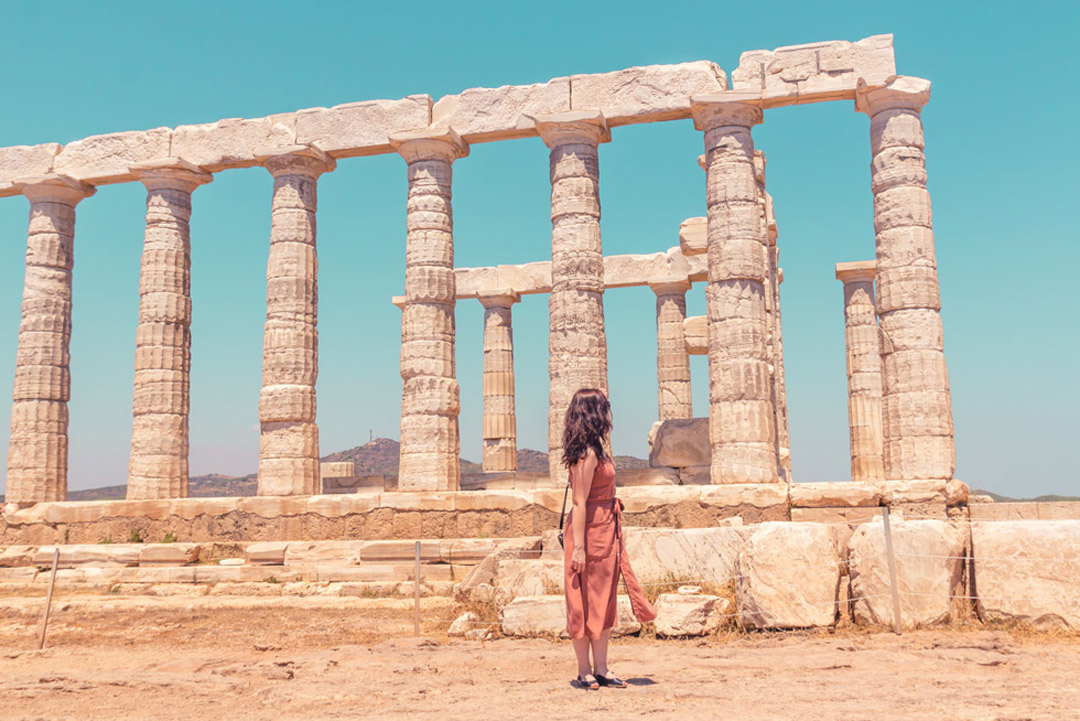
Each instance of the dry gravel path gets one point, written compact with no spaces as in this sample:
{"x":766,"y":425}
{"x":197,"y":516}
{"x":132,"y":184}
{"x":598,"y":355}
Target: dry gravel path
{"x":316,"y":658}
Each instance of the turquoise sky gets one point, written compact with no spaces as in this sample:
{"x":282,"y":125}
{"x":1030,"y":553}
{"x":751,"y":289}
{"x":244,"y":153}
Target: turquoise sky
{"x":1002,"y":155}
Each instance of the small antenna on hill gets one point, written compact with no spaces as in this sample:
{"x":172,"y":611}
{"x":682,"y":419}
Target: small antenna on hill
{"x":370,"y":435}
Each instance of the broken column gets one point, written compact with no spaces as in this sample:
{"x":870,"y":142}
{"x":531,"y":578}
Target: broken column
{"x":289,"y":442}
{"x":863,"y":344}
{"x":916,"y":405}
{"x":499,"y":431}
{"x":577,"y":342}
{"x":741,"y":417}
{"x":38,"y":448}
{"x":158,"y":464}
{"x":430,"y":397}
{"x":672,"y":359}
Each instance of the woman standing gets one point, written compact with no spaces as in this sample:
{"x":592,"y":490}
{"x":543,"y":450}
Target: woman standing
{"x":593,"y":567}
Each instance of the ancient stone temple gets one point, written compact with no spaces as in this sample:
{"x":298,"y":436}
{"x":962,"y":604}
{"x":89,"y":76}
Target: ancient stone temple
{"x":901,"y":422}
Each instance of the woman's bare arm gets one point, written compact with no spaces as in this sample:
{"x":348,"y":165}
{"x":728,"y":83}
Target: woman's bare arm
{"x":582,"y":475}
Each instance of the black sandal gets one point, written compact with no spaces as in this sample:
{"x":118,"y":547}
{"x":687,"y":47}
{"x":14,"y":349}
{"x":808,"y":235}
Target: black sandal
{"x":588,"y":685}
{"x":611,"y":681}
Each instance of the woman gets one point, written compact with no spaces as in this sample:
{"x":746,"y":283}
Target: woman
{"x":593,"y":567}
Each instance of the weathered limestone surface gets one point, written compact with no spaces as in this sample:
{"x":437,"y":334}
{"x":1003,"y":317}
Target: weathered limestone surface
{"x":693,"y":236}
{"x":814,"y":72}
{"x":690,"y":614}
{"x":356,"y":129}
{"x":289,"y":440}
{"x":672,"y":360}
{"x":685,"y":555}
{"x":37,"y":451}
{"x":485,"y":114}
{"x":25,"y":161}
{"x":789,"y":576}
{"x":232,"y":142}
{"x":680,"y":442}
{"x":929,"y":568}
{"x":916,"y":405}
{"x":499,"y":432}
{"x":102,"y":159}
{"x":783,"y":434}
{"x":742,"y":421}
{"x":528,"y":577}
{"x":158,"y":464}
{"x":1028,"y":571}
{"x":831,"y":495}
{"x":430,"y":444}
{"x":1023,"y":511}
{"x":696,"y":334}
{"x":546,"y":616}
{"x":646,"y":94}
{"x":863,"y":343}
{"x":577,"y":341}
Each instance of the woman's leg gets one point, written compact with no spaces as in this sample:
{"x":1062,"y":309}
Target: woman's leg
{"x":581,"y":650}
{"x":599,"y":653}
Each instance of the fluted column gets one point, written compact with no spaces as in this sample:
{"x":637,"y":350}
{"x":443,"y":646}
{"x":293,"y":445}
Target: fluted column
{"x":863,"y":343}
{"x":38,"y":449}
{"x":500,"y":417}
{"x":741,"y":416}
{"x":289,"y":440}
{"x":916,"y":404}
{"x":158,"y":464}
{"x":783,"y":436}
{"x":672,"y":360}
{"x":577,"y":343}
{"x":430,"y":397}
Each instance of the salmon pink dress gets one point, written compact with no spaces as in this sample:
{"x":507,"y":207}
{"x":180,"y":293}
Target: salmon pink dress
{"x":591,"y":595}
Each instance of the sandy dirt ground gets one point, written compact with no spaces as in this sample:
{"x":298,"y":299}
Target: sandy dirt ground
{"x":329,"y":658}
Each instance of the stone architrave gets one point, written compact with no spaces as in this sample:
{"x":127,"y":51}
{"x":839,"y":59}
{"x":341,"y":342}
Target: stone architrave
{"x":158,"y":464}
{"x":289,"y":442}
{"x":916,"y":404}
{"x":500,"y":418}
{"x":577,"y":342}
{"x":37,"y":451}
{"x":430,"y":398}
{"x":741,"y":416}
{"x":672,"y":359}
{"x":863,"y":343}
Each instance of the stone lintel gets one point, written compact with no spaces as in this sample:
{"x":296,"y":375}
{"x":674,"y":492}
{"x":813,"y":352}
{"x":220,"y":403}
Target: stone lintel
{"x":856,"y":271}
{"x":429,"y":143}
{"x":575,"y":126}
{"x":54,"y":185}
{"x":900,"y":91}
{"x":281,"y":160}
{"x":170,"y":173}
{"x":732,"y":107}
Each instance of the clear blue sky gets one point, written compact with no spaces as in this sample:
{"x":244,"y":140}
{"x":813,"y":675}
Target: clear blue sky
{"x":1002,"y":154}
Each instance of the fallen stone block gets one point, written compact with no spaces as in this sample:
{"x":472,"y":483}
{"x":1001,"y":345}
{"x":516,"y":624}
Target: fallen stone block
{"x":1028,"y":571}
{"x":98,"y":554}
{"x":691,"y":555}
{"x":341,"y":553}
{"x":483,"y":573}
{"x":514,"y":578}
{"x":546,"y":616}
{"x":266,"y":553}
{"x":690,"y":614}
{"x":681,"y":442}
{"x":788,"y":577}
{"x":929,"y":571}
{"x":168,"y":554}
{"x":18,"y":556}
{"x":464,"y":623}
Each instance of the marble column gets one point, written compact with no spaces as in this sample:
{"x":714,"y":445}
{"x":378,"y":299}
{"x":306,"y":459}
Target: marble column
{"x":742,"y":421}
{"x":577,"y":343}
{"x":38,"y":449}
{"x":916,"y":404}
{"x":783,"y":436}
{"x":158,"y":464}
{"x":289,"y":441}
{"x":430,"y":397}
{"x":863,"y":343}
{"x":499,"y":430}
{"x":672,"y":359}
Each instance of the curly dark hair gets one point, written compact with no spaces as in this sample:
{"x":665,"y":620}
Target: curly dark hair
{"x":588,"y":422}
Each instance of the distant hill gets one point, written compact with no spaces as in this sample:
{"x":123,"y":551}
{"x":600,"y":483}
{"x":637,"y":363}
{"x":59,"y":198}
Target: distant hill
{"x":1053,"y":498}
{"x":379,"y":456}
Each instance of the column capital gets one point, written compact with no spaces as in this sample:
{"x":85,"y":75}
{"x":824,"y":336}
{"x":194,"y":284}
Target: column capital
{"x":587,"y":127}
{"x":502,"y":298}
{"x":429,"y":144}
{"x":671,"y":285}
{"x":170,"y":173}
{"x":900,"y":92}
{"x":295,"y":160}
{"x":857,"y":271}
{"x":54,"y":187}
{"x":733,"y":107}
